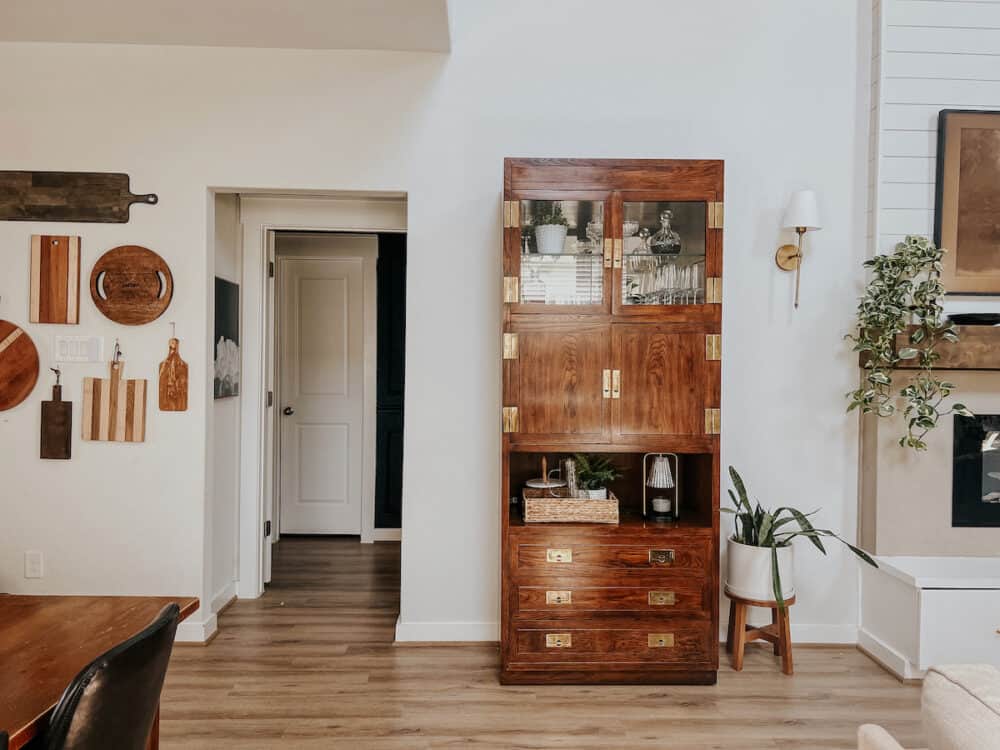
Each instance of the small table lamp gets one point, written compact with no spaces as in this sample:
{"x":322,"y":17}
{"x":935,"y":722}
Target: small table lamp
{"x":659,"y":477}
{"x":802,"y":215}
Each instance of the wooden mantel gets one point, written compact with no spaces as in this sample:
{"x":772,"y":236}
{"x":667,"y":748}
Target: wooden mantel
{"x":978,"y":348}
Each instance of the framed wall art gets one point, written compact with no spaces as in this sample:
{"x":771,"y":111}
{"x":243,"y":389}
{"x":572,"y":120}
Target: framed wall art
{"x":227,"y":339}
{"x":967,"y":200}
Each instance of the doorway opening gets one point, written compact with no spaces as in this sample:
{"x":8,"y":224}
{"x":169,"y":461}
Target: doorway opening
{"x":338,"y":348}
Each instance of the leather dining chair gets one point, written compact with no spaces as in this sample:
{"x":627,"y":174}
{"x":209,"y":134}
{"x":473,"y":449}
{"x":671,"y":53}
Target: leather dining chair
{"x":113,"y":702}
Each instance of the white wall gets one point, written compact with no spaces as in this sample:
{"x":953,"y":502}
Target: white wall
{"x":776,"y":88}
{"x":223,"y":464}
{"x":936,"y":54}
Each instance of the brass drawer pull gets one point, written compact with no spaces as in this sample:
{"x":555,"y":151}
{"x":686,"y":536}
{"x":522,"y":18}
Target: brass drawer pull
{"x":661,"y":557}
{"x":559,"y":555}
{"x":661,"y":640}
{"x":662,"y":598}
{"x":606,"y":383}
{"x":558,"y":640}
{"x":558,"y":597}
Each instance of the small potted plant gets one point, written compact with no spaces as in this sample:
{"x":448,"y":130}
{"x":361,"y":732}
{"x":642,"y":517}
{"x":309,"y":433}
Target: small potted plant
{"x":593,"y":475}
{"x":550,"y":227}
{"x":760,"y":560}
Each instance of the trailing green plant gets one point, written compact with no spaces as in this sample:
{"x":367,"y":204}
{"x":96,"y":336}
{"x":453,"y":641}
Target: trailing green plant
{"x":757,"y":527}
{"x":905,"y":290}
{"x":548,"y":212}
{"x":595,"y":472}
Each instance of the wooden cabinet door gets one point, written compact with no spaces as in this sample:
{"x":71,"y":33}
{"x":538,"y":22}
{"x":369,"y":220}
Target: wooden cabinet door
{"x":556,"y":381}
{"x":667,"y":380}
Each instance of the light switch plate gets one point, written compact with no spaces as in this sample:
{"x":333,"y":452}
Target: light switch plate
{"x":33,"y":564}
{"x":78,"y":349}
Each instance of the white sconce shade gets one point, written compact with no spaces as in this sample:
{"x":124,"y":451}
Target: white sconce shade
{"x":802,"y":211}
{"x":660,"y":476}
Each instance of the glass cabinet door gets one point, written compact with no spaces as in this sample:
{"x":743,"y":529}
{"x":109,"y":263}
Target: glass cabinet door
{"x":663,"y":258}
{"x":561,"y":252}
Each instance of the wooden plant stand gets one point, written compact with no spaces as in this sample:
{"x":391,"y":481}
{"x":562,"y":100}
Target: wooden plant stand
{"x":778,"y":633}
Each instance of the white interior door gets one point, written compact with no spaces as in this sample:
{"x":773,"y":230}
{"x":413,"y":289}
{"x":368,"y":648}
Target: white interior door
{"x":321,"y":405}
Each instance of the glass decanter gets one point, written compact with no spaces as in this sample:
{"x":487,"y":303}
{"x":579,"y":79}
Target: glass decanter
{"x":666,"y":241}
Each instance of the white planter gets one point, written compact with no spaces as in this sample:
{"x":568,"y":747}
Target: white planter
{"x":601,"y":494}
{"x":748,"y":572}
{"x":550,"y":238}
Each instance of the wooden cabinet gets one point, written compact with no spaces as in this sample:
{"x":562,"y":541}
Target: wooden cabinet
{"x":611,"y":344}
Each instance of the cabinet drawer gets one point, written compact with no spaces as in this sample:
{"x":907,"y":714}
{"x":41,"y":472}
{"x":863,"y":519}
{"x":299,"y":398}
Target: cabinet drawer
{"x":675,"y":595}
{"x":662,"y":642}
{"x":566,"y":558}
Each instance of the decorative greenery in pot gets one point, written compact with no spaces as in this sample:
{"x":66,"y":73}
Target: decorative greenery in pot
{"x":551,"y":227}
{"x":905,"y":290}
{"x":760,"y":549}
{"x":594,"y":474}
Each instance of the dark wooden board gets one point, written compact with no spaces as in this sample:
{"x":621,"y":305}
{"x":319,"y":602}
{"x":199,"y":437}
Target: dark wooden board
{"x":18,"y":365}
{"x":57,"y":426}
{"x":131,"y":285}
{"x":68,"y":196}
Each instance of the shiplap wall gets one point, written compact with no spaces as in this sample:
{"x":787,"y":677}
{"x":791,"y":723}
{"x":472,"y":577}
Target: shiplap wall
{"x":928,"y":55}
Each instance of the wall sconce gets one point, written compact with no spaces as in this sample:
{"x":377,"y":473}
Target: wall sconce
{"x":802,"y":215}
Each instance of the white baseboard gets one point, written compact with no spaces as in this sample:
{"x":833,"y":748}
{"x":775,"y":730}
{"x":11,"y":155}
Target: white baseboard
{"x":447,"y":631}
{"x":197,"y":630}
{"x":223,"y":596}
{"x":381,"y":535}
{"x":887,"y":656}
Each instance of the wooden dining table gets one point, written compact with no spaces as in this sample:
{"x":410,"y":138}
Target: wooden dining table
{"x":45,"y":641}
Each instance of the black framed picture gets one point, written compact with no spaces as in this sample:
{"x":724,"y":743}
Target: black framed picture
{"x":967,"y":200}
{"x":227,"y":339}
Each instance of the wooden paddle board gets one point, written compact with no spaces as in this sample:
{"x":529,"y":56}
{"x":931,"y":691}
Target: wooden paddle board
{"x":18,"y":365}
{"x":68,"y":196}
{"x":57,"y":426}
{"x":114,"y":409}
{"x":173,"y":380}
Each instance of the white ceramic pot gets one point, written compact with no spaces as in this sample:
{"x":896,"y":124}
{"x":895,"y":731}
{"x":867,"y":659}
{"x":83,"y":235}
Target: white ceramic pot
{"x":748,"y":571}
{"x":601,"y":494}
{"x":550,"y":238}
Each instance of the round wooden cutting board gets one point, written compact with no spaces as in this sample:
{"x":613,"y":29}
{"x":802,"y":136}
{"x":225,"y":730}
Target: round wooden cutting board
{"x":131,"y":285}
{"x":18,"y":365}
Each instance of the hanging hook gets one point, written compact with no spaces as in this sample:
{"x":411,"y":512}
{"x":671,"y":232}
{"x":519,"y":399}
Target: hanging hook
{"x":118,"y":352}
{"x":173,"y":330}
{"x":58,"y":372}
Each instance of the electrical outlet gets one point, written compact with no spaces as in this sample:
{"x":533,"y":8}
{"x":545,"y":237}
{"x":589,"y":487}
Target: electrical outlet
{"x":78,"y":349}
{"x":33,"y":564}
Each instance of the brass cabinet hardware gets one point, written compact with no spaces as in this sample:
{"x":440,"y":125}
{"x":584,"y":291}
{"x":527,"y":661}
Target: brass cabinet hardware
{"x":619,"y":243}
{"x":715,"y":215}
{"x":559,"y":555}
{"x":558,"y":640}
{"x":660,"y":640}
{"x":606,"y":383}
{"x":609,"y":252}
{"x":713,"y":421}
{"x":558,"y":597}
{"x":662,"y":598}
{"x":713,"y":346}
{"x":713,"y":290}
{"x":510,"y":419}
{"x":661,"y":557}
{"x":616,"y":384}
{"x":511,"y":289}
{"x":511,"y":214}
{"x":510,"y":346}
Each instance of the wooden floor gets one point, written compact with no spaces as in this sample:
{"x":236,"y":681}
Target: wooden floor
{"x":312,"y":665}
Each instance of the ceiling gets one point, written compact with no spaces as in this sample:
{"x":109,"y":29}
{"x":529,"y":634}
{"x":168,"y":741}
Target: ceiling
{"x":416,"y":25}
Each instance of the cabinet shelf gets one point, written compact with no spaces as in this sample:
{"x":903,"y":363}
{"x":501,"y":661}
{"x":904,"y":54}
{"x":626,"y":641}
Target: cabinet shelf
{"x":629,"y":523}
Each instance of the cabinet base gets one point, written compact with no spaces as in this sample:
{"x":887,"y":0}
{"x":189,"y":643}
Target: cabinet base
{"x":607,"y":677}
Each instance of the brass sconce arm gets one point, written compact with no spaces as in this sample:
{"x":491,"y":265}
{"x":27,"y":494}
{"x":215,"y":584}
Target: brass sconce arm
{"x":789,"y":258}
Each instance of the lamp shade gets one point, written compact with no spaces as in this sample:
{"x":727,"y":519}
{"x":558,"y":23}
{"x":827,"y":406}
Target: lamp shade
{"x":660,"y":476}
{"x":802,"y":211}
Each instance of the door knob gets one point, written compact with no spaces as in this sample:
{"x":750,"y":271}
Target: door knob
{"x":288,"y":411}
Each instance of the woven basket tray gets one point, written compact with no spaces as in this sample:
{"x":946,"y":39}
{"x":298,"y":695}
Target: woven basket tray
{"x":541,"y":507}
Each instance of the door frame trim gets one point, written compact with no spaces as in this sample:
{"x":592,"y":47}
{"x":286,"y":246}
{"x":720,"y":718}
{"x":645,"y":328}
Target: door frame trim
{"x":260,"y":216}
{"x":369,"y":412}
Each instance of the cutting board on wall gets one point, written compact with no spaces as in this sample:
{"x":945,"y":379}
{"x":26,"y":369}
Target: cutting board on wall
{"x":131,"y":285}
{"x":114,"y":409}
{"x":68,"y":196}
{"x":57,"y":426}
{"x":18,"y":365}
{"x":55,"y":279}
{"x":173,"y":380}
